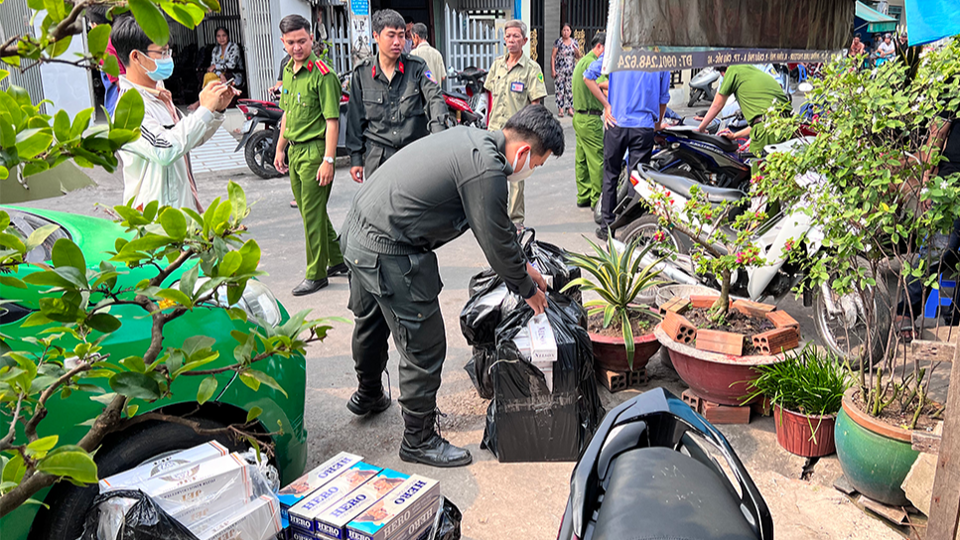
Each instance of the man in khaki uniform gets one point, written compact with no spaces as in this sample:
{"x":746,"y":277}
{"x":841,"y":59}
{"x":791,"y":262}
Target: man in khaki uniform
{"x":514,"y":81}
{"x":436,"y":70}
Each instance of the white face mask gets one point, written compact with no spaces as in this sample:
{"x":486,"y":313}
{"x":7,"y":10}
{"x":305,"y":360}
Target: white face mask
{"x":518,"y":175}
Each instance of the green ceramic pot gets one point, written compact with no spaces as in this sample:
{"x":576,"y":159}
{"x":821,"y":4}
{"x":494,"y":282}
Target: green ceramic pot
{"x":874,"y":457}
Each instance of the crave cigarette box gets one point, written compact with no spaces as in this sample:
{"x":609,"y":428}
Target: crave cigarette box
{"x":132,"y":478}
{"x":332,"y":523}
{"x":315,"y":479}
{"x":399,"y":515}
{"x":198,"y":491}
{"x":303,"y":514}
{"x":257,"y":520}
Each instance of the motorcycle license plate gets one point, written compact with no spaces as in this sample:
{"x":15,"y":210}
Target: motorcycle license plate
{"x":247,"y":126}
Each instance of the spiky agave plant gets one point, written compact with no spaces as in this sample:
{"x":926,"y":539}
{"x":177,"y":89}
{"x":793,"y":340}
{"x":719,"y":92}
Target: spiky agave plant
{"x":618,"y":278}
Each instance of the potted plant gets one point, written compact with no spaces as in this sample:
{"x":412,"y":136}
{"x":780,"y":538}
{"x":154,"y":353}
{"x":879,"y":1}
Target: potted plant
{"x":878,"y":203}
{"x":806,"y":391}
{"x":716,"y":352}
{"x":621,"y":331}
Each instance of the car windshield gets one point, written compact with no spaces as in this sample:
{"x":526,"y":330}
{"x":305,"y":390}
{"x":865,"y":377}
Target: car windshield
{"x":25,"y":224}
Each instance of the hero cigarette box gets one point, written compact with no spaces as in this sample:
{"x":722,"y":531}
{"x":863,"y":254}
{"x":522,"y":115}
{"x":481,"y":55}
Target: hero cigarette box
{"x":302,"y":514}
{"x":193,"y":493}
{"x":408,"y":505}
{"x":133,"y":477}
{"x":315,"y":479}
{"x":332,"y":523}
{"x":257,"y":520}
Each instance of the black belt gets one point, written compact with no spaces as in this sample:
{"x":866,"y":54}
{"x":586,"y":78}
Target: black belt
{"x":298,"y":143}
{"x":591,"y":112}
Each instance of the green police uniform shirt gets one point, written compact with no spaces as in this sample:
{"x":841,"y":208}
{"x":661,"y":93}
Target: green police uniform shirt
{"x":310,"y":96}
{"x":756,"y":91}
{"x":583,"y":99}
{"x":513,"y":89}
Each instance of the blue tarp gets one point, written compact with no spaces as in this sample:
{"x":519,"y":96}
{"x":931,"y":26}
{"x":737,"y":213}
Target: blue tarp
{"x":930,"y":20}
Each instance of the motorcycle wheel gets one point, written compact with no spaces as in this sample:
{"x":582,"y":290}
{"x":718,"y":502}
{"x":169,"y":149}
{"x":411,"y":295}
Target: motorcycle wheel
{"x":258,"y":155}
{"x":649,"y":225}
{"x":848,"y":339}
{"x":694,"y":98}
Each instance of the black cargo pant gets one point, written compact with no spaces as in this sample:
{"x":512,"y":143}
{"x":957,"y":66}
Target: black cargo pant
{"x":399,"y":295}
{"x":616,"y":142}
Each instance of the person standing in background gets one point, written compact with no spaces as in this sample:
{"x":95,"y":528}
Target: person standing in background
{"x":436,"y":70}
{"x":588,"y":125}
{"x":632,"y":115}
{"x":566,"y":52}
{"x":514,"y":81}
{"x":394,"y":102}
{"x":97,"y":15}
{"x":310,"y":99}
{"x":408,"y":38}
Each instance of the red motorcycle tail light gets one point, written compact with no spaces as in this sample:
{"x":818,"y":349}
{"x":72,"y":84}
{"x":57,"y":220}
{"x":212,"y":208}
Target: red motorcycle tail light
{"x":634,"y":179}
{"x":243,"y":109}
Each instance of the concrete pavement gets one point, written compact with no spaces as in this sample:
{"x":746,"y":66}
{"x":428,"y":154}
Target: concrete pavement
{"x":498,"y":500}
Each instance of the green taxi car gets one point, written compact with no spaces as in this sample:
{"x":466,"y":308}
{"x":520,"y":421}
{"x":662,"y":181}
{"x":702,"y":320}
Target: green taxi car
{"x":66,"y":505}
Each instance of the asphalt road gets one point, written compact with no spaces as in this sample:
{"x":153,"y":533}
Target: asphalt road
{"x":524,"y":500}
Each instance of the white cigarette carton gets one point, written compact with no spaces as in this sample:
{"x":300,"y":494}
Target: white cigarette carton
{"x":332,"y":524}
{"x":315,"y":479}
{"x":194,"y":493}
{"x":303,"y":514}
{"x":257,"y":520}
{"x":543,"y":343}
{"x":522,"y":341}
{"x":131,"y":478}
{"x":394,"y":515}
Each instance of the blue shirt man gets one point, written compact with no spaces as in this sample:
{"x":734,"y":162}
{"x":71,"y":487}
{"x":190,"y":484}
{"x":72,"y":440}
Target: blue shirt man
{"x":636,"y":97}
{"x":636,"y":106}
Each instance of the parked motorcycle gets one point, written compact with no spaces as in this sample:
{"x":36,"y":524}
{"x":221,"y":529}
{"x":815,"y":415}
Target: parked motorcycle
{"x":841,"y":321}
{"x":460,"y":112}
{"x":657,"y":469}
{"x":475,"y":96}
{"x":701,"y":86}
{"x":259,"y":146}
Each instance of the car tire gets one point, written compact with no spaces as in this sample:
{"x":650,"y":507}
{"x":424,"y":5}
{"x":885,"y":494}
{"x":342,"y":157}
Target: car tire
{"x":68,"y":504}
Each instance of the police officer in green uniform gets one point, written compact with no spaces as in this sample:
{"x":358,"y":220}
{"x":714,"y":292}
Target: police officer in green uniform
{"x":427,"y":195}
{"x":311,"y":113}
{"x":588,"y":125}
{"x":393,"y":102}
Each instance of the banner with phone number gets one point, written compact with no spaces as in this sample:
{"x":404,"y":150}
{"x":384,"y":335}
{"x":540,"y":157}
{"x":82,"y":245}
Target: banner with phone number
{"x":652,"y":60}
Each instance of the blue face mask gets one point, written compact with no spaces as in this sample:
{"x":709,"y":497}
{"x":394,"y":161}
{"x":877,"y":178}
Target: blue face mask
{"x":163,"y":69}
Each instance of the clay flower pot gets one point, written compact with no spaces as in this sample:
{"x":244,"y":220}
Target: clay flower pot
{"x":611,"y":354}
{"x":875,"y":456}
{"x":721,"y":378}
{"x":805,"y":435}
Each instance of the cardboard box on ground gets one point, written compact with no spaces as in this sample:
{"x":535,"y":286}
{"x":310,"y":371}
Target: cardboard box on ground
{"x":215,"y":495}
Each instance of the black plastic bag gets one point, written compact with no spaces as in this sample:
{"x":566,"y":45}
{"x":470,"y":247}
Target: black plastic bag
{"x":551,"y":261}
{"x":489,"y":300}
{"x":145,"y":520}
{"x":446,"y":526}
{"x":478,"y":368}
{"x":525,"y":420}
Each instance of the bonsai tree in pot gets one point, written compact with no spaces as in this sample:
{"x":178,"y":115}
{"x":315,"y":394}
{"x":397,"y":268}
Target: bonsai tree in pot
{"x":806,"y":391}
{"x":878,"y":203}
{"x":618,"y":277}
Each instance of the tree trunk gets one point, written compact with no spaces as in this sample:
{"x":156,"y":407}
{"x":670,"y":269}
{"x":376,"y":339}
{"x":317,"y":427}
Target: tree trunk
{"x":723,"y":303}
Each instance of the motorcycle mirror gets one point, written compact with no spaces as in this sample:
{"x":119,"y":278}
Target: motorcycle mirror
{"x":804,"y":87}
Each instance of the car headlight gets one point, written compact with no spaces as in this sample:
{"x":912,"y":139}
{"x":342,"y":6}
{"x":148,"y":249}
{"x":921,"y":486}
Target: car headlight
{"x":257,"y":300}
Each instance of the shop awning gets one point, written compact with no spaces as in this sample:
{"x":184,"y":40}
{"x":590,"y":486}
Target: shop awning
{"x":872,"y":21}
{"x":668,"y":35}
{"x":930,"y":20}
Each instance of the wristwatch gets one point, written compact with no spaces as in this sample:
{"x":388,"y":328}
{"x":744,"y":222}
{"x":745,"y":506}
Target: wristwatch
{"x":329,"y":160}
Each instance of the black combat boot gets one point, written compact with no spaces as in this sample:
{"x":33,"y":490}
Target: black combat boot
{"x":369,"y":398}
{"x":422,"y":443}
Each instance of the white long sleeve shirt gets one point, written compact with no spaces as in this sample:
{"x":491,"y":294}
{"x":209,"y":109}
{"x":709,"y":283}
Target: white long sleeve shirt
{"x":155,"y":166}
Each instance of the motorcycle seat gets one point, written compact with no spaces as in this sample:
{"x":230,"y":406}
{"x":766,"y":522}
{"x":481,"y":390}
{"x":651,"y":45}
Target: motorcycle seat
{"x":657,"y":493}
{"x":682,"y":185}
{"x":722,"y":143}
{"x":471,"y":73}
{"x":459,"y":95}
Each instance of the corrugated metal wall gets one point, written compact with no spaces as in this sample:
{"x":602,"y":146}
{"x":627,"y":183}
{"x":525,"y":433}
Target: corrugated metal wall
{"x":15,"y":21}
{"x":258,"y":42}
